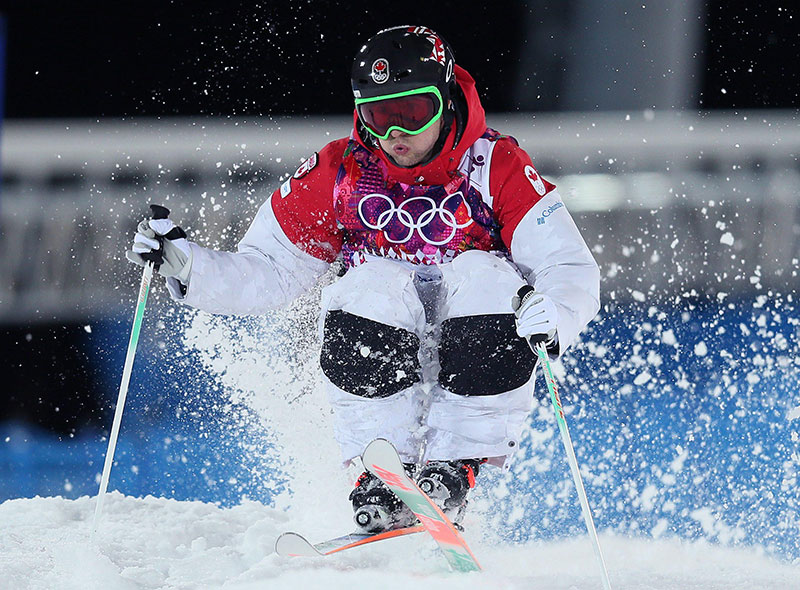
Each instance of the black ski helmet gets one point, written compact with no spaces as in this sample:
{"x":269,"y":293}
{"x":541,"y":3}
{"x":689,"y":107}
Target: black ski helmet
{"x":403,"y":58}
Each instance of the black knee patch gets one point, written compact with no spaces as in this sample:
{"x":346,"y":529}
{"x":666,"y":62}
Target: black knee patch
{"x":483,"y":355}
{"x":368,"y":358}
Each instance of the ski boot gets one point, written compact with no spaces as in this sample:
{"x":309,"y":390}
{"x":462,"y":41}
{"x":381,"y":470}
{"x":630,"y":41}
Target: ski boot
{"x":376,"y":508}
{"x":447,"y":483}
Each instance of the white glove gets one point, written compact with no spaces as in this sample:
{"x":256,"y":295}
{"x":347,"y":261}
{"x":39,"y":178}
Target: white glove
{"x":162,"y":242}
{"x":537,"y":316}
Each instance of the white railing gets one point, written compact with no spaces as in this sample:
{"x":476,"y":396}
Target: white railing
{"x":669,"y":202}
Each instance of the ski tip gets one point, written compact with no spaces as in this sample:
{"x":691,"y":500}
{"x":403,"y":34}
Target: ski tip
{"x":380,"y":443}
{"x":380,"y":452}
{"x":294,"y":545}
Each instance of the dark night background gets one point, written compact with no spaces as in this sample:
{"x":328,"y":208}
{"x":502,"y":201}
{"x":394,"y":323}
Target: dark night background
{"x":157,"y":58}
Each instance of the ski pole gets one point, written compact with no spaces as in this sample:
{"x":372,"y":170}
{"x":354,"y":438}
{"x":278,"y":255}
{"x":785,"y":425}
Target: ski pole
{"x":541,"y":351}
{"x":159,"y":212}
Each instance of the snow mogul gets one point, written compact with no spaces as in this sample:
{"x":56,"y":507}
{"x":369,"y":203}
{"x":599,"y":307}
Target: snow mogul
{"x":438,"y":221}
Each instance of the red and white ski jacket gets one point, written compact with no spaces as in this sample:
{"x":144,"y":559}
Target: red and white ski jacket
{"x":351,"y":201}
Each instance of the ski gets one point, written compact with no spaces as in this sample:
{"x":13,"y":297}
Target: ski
{"x":294,"y":545}
{"x":382,"y":460}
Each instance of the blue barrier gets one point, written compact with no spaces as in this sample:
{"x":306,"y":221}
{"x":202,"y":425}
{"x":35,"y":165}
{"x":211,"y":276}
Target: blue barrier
{"x":682,"y":414}
{"x":682,"y":422}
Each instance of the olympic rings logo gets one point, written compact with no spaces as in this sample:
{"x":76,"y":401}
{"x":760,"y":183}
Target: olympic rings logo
{"x":406,"y":219}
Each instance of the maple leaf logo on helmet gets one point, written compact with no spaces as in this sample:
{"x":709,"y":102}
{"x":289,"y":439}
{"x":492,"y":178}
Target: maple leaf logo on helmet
{"x":380,"y":71}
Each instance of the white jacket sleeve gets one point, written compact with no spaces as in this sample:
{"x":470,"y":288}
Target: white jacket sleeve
{"x":552,"y":255}
{"x":267,"y":272}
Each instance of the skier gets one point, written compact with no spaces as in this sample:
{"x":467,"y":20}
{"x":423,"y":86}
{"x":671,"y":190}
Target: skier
{"x":438,"y":221}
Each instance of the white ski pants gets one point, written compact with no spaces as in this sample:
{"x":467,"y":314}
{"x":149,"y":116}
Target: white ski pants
{"x":427,"y":358}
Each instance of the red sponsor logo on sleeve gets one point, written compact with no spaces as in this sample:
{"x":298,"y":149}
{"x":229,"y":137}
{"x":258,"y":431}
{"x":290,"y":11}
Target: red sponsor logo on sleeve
{"x":306,"y":166}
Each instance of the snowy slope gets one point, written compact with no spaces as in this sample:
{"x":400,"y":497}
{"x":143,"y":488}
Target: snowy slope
{"x":692,"y":467}
{"x":153,"y":543}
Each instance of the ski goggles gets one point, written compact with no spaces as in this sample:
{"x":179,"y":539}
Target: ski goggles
{"x":411,"y":112}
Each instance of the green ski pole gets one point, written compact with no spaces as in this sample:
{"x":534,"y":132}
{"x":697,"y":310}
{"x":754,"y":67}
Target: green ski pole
{"x":552,"y":389}
{"x":159,"y":212}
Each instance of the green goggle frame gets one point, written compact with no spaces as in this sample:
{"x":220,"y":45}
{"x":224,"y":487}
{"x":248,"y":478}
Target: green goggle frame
{"x":424,"y":90}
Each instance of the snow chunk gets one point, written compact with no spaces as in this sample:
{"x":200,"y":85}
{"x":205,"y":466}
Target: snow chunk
{"x":648,"y":497}
{"x":677,"y":463}
{"x":793,"y":414}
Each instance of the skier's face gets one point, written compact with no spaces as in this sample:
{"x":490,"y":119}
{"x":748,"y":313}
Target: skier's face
{"x":409,"y":150}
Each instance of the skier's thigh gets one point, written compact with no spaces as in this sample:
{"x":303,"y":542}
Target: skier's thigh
{"x":480,"y":352}
{"x":371,"y":324}
{"x":485,"y":384}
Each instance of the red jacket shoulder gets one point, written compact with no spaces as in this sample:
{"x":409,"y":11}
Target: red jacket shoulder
{"x":303,"y":205}
{"x":514,"y":184}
